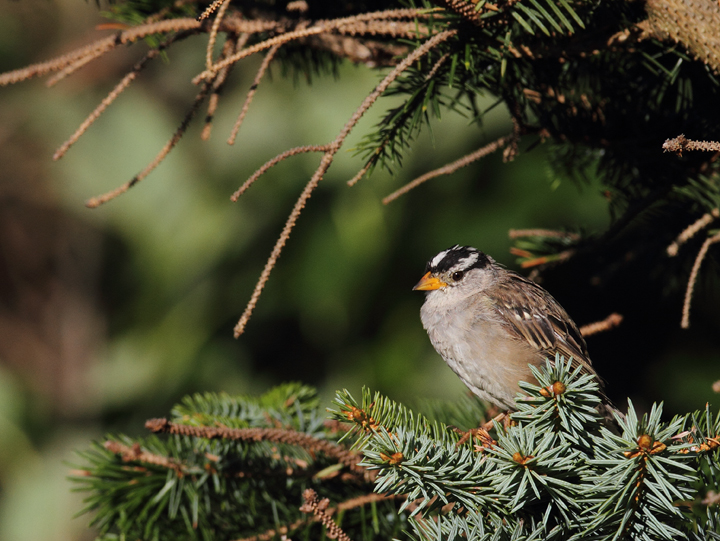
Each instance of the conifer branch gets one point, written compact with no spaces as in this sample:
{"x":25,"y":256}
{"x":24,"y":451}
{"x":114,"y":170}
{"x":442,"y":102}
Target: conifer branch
{"x":519,"y":233}
{"x":276,"y":435}
{"x":325,"y":164}
{"x":136,"y":454}
{"x":273,"y":162}
{"x":211,"y":9}
{"x":231,"y":44}
{"x":273,"y":533}
{"x":131,"y":35}
{"x":531,"y":261}
{"x":681,"y":144}
{"x":109,"y":196}
{"x":319,"y":509}
{"x":610,"y":322}
{"x":251,"y":93}
{"x":75,"y":66}
{"x":553,"y":473}
{"x":212,"y":38}
{"x":450,"y":168}
{"x":685,"y":323}
{"x":319,"y":28}
{"x":115,"y":92}
{"x":693,"y":229}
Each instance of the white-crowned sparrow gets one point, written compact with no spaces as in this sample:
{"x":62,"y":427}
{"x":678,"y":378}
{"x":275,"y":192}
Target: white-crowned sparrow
{"x":489,"y":324}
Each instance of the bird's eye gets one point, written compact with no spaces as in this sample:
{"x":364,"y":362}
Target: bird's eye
{"x":458,"y":275}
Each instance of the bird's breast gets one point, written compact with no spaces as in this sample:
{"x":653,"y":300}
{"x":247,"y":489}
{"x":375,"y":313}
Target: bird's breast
{"x":471,"y":339}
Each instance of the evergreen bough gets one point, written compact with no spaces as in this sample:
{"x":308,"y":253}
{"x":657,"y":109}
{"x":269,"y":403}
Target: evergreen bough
{"x":238,"y":467}
{"x":601,"y":83}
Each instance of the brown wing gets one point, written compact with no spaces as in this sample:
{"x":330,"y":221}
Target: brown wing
{"x":534,"y":316}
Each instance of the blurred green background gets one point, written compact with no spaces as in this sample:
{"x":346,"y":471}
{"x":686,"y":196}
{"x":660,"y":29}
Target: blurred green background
{"x":109,"y":316}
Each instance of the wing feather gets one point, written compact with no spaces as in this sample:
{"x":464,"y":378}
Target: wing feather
{"x":534,"y":316}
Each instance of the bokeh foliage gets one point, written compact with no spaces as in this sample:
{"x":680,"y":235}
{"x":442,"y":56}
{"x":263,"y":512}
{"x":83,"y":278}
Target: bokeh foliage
{"x":165,"y":270}
{"x":236,"y":467}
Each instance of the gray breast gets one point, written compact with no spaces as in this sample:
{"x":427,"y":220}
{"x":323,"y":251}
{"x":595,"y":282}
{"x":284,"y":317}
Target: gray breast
{"x":470,"y":337}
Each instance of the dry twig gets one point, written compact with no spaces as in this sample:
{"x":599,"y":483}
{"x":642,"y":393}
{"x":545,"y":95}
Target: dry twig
{"x":274,"y":533}
{"x":680,"y":144}
{"x":101,"y":199}
{"x":327,"y":159}
{"x":73,"y":67}
{"x":519,"y":233}
{"x":231,"y":45}
{"x":276,"y":435}
{"x":271,"y":163}
{"x":251,"y":93}
{"x":211,"y":8}
{"x":342,"y":506}
{"x":319,"y":509}
{"x":542,"y":260}
{"x":119,"y":88}
{"x":319,"y":28}
{"x":685,"y":323}
{"x":212,"y":38}
{"x":449,"y":168}
{"x":136,"y":454}
{"x":610,"y":322}
{"x":704,"y":221}
{"x":131,"y":35}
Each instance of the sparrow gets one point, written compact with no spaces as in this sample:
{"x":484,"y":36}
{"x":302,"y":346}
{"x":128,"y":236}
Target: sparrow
{"x":490,"y":324}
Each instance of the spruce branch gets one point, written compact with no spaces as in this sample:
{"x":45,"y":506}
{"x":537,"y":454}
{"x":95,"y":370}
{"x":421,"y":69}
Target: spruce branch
{"x":681,"y":144}
{"x":519,"y":233}
{"x":325,"y":163}
{"x":212,"y":37}
{"x":135,"y":453}
{"x":231,"y":44}
{"x":276,"y":435}
{"x":685,"y":322}
{"x":95,"y":202}
{"x":115,"y":92}
{"x":319,"y":28}
{"x":75,"y":66}
{"x":449,"y":168}
{"x":466,"y":10}
{"x":555,"y":473}
{"x":610,"y":322}
{"x":574,"y":72}
{"x":692,"y":230}
{"x":319,"y":509}
{"x":273,"y":162}
{"x":273,"y":533}
{"x":251,"y":93}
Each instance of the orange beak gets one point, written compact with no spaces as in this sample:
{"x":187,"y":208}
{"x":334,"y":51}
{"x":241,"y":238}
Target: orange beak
{"x":428,"y":283}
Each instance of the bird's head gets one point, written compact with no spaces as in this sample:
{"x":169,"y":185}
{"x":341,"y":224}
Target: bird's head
{"x":455,"y":267}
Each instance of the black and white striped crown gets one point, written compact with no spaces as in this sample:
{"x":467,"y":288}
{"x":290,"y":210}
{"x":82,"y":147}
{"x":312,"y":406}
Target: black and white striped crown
{"x":457,"y":258}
